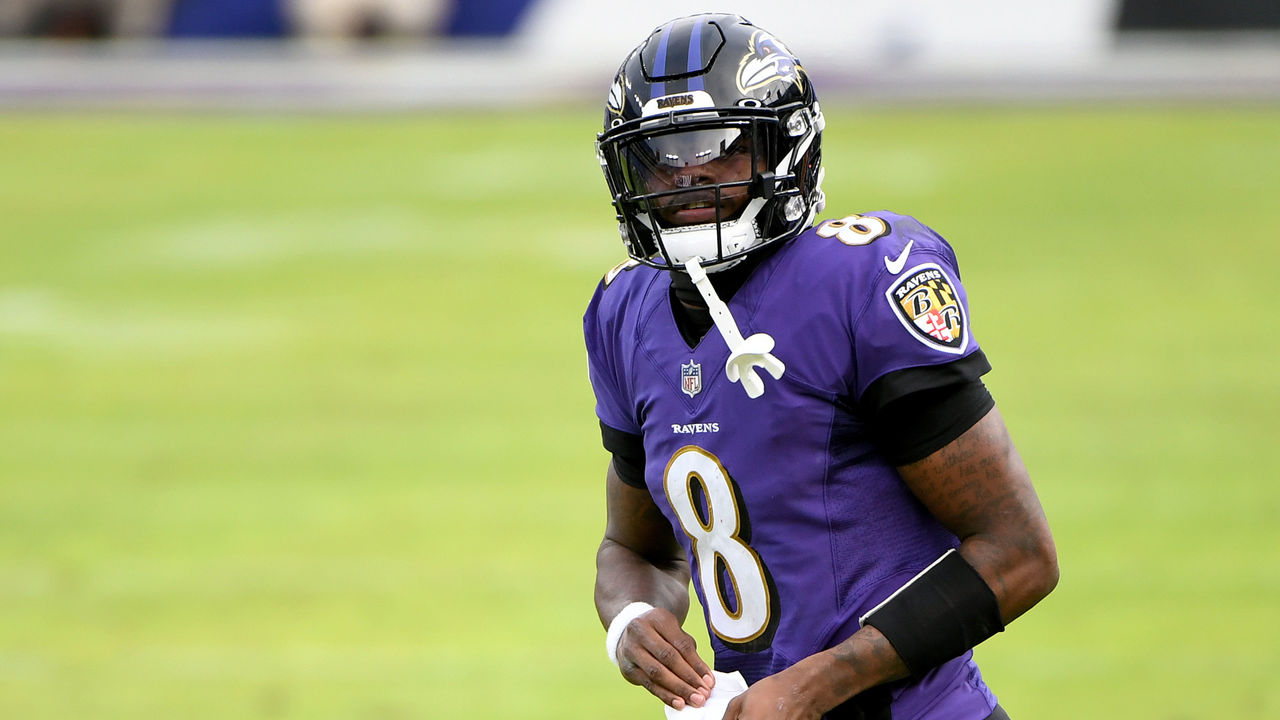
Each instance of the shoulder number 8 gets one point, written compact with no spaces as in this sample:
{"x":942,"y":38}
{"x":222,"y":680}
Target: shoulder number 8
{"x":854,"y":229}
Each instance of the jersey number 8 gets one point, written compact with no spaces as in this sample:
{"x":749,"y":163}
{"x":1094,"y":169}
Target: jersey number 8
{"x":740,"y":596}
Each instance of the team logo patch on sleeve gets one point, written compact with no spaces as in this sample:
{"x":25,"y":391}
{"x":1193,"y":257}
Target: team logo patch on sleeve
{"x":926,"y":302}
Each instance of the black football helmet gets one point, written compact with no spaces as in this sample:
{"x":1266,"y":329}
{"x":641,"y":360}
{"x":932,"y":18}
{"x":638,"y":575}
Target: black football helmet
{"x":711,"y":143}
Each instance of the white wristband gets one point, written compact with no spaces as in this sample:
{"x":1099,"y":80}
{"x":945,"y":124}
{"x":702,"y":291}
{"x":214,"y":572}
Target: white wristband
{"x":619,"y":624}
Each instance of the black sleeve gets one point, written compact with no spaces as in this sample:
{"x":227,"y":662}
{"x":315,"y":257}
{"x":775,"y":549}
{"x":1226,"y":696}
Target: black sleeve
{"x":628,"y":454}
{"x":915,"y":412}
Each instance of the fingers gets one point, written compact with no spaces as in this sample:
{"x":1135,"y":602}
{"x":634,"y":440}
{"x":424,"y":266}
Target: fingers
{"x":658,"y":655}
{"x":690,"y":666}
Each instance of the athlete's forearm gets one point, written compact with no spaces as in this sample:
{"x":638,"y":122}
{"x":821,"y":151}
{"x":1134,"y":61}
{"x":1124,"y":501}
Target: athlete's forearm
{"x":639,"y":559}
{"x":863,"y":661}
{"x":624,"y":576}
{"x":821,"y":682}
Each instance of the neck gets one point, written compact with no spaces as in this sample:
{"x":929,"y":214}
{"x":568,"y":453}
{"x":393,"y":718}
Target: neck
{"x":692,"y":316}
{"x":726,"y":282}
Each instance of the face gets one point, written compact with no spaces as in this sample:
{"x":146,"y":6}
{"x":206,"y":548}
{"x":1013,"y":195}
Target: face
{"x":690,"y":165}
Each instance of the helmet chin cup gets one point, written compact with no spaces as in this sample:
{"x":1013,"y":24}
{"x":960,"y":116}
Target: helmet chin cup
{"x":702,"y":241}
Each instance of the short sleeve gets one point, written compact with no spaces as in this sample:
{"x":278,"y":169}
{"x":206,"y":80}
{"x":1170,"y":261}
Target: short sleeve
{"x":915,"y":317}
{"x":608,"y":377}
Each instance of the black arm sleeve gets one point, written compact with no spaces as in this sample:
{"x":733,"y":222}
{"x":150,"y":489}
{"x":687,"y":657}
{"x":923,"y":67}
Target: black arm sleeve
{"x":915,"y":412}
{"x":628,"y":454}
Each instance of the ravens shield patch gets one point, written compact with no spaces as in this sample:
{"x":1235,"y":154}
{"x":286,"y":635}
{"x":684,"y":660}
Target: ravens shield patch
{"x":926,"y":302}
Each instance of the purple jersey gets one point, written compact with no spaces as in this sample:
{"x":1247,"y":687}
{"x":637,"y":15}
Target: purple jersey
{"x":793,"y":523}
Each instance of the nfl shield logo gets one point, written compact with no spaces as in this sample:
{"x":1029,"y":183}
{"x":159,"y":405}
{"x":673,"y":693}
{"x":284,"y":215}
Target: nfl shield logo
{"x":691,"y":378}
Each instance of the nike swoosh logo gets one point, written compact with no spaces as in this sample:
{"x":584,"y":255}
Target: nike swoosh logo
{"x":895,"y":265}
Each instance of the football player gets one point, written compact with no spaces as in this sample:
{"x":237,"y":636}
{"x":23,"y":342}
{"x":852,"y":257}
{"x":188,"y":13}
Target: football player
{"x":794,"y":412}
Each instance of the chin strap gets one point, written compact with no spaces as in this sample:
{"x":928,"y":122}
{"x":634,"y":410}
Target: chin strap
{"x":744,"y":355}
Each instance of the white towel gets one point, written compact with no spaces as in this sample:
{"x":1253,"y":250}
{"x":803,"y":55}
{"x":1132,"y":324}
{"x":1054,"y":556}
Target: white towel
{"x":728,"y":686}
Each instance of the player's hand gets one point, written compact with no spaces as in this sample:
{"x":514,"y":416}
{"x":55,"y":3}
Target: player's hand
{"x":778,"y":697}
{"x":658,"y":655}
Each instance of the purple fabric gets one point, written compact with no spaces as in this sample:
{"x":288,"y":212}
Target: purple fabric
{"x":832,"y":525}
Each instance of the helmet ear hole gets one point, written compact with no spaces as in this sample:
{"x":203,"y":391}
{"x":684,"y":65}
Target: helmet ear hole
{"x":798,"y":123}
{"x":793,"y":209}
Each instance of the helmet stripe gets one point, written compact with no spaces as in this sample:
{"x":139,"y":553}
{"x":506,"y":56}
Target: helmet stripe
{"x":660,"y":61}
{"x":695,"y":57}
{"x":677,"y":50}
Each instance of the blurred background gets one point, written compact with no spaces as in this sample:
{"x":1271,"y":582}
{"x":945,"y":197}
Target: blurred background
{"x":294,"y":419}
{"x":415,"y":54}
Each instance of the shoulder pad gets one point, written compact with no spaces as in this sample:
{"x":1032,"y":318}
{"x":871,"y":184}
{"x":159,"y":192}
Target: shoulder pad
{"x":618,"y":269}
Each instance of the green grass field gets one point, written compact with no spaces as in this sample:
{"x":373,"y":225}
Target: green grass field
{"x":295,"y":419}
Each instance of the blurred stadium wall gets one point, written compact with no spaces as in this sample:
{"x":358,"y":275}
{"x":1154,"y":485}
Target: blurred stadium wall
{"x":398,"y":54}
